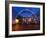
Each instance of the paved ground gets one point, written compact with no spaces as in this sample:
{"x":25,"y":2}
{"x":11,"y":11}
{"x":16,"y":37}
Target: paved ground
{"x":16,"y":27}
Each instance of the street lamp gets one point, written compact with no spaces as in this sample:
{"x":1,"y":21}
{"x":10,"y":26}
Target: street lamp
{"x":16,"y":20}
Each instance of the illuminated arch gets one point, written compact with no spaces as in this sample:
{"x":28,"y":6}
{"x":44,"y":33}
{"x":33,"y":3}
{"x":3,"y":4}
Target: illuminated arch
{"x":26,"y":10}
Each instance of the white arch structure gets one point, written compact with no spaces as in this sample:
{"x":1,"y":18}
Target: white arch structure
{"x":27,"y":10}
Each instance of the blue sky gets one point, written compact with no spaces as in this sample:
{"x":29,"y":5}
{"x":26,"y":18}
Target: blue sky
{"x":16,"y":10}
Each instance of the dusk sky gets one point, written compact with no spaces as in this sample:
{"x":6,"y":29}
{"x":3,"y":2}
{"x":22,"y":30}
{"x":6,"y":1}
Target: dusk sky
{"x":25,"y":13}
